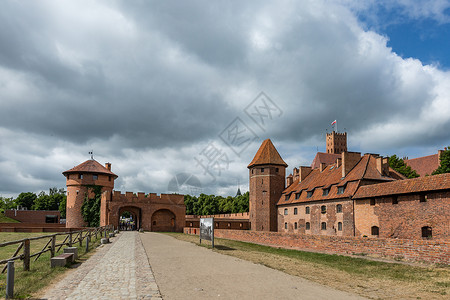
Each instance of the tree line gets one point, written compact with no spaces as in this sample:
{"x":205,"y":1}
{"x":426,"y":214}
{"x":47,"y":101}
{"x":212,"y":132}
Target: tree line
{"x":54,"y":200}
{"x":213,"y":205}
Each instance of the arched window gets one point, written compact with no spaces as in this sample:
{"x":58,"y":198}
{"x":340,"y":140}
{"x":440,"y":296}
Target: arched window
{"x":339,"y":208}
{"x":324,"y":226}
{"x":323,"y":209}
{"x":375,"y":230}
{"x":427,"y":232}
{"x":295,"y":210}
{"x":308,"y":226}
{"x":285,"y":225}
{"x":285,"y":211}
{"x":307,"y":210}
{"x":339,"y":226}
{"x":295,"y":225}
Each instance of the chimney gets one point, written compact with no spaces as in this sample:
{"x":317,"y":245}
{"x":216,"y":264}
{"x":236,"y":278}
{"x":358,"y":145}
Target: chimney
{"x":108,"y":166}
{"x":295,"y":171}
{"x":383,"y":165}
{"x":322,"y":167}
{"x":289,"y":180}
{"x":303,"y":172}
{"x":338,"y":162}
{"x":439,"y":156}
{"x":349,"y":160}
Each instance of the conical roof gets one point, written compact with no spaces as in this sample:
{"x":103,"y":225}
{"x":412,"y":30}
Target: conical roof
{"x":90,"y":166}
{"x":267,"y":155}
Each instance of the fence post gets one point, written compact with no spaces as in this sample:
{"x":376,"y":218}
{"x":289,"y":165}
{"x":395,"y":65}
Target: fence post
{"x":10,"y":280}
{"x":87,"y":244}
{"x":70,"y":239}
{"x":52,"y":249}
{"x":26,"y":255}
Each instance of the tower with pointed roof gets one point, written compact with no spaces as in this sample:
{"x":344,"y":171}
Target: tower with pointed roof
{"x":79,"y":179}
{"x":267,"y":181}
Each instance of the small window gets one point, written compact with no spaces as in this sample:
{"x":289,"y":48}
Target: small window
{"x":297,"y":196}
{"x":339,"y":226}
{"x":325,"y":192}
{"x":323,"y":209}
{"x":307,"y":210}
{"x":285,"y":225}
{"x":276,"y":170}
{"x":286,"y":197}
{"x":252,"y":171}
{"x":309,"y":194}
{"x":308,"y":226}
{"x":341,"y":189}
{"x":339,"y":208}
{"x":394,"y":200}
{"x":78,"y":192}
{"x":262,"y":170}
{"x":109,"y":178}
{"x":295,"y":225}
{"x":229,"y":225}
{"x":375,"y":230}
{"x":427,"y":232}
{"x":372,"y":201}
{"x":95,"y":177}
{"x":285,"y":211}
{"x":80,"y":176}
{"x":323,"y":226}
{"x":295,"y":210}
{"x":423,"y":198}
{"x":154,"y":222}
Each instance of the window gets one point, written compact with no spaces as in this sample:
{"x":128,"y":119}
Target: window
{"x":339,"y":208}
{"x":276,"y":170}
{"x":295,"y":225}
{"x":339,"y":226}
{"x":341,"y":189}
{"x":308,"y":226}
{"x":80,"y":176}
{"x":252,"y":171}
{"x":375,"y":230}
{"x":285,"y":225}
{"x":109,"y":178}
{"x":323,"y":226}
{"x":323,"y":209}
{"x":394,"y":200}
{"x":372,"y":201}
{"x":262,"y":170}
{"x":229,"y":225}
{"x":295,"y":210}
{"x":78,"y":192}
{"x":427,"y":232}
{"x":325,"y":192}
{"x":95,"y":177}
{"x":297,"y":196}
{"x":423,"y":198}
{"x":154,"y":222}
{"x":307,"y":210}
{"x":286,"y":197}
{"x":309,"y":194}
{"x":285,"y":211}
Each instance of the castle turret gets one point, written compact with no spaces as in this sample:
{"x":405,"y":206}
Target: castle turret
{"x":79,"y":179}
{"x":267,"y":173}
{"x":336,"y":142}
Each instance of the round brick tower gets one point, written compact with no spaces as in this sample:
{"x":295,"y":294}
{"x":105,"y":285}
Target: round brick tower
{"x":78,"y":181}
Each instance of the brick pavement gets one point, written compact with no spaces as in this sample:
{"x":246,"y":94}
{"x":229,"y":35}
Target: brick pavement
{"x":119,"y":270}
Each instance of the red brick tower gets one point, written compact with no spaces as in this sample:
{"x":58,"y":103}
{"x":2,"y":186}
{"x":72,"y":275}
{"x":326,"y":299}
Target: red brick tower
{"x":79,"y":178}
{"x":336,"y":142}
{"x":267,"y":181}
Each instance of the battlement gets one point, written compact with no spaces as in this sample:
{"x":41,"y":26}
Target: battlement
{"x":140,"y":197}
{"x":336,"y":142}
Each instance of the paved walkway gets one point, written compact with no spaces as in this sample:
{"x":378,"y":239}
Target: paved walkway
{"x":119,"y":270}
{"x":186,"y":271}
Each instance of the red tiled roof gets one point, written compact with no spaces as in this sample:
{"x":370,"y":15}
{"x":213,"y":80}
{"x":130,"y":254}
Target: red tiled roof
{"x":90,"y":166}
{"x":267,"y":154}
{"x":415,"y":185}
{"x":424,"y":165}
{"x":331,"y":177}
{"x":326,"y":158}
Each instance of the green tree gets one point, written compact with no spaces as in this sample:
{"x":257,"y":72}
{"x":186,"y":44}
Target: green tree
{"x":399,"y":165}
{"x":26,"y":199}
{"x":52,"y":201}
{"x":444,"y":166}
{"x":90,"y":210}
{"x":7,"y":203}
{"x":212,"y":205}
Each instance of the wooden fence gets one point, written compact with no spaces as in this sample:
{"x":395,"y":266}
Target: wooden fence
{"x":70,"y":239}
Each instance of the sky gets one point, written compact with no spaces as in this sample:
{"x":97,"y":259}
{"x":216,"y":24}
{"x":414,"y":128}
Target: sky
{"x":179,"y":96}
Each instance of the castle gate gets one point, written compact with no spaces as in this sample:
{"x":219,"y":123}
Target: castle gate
{"x":135,"y":212}
{"x":163,"y":220}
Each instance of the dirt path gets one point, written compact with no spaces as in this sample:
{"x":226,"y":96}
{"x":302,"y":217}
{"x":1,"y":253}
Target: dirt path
{"x":185,"y":271}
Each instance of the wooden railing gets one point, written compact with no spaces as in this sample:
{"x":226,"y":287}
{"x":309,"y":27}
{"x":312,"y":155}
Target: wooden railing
{"x":51,"y":246}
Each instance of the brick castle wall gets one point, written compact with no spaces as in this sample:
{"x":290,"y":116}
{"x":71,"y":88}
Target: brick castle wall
{"x":431,"y":251}
{"x":32,"y":216}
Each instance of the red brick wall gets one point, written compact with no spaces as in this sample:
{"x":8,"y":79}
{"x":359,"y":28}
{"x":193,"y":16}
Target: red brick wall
{"x":405,"y":219}
{"x":433,"y":251}
{"x":31,"y":216}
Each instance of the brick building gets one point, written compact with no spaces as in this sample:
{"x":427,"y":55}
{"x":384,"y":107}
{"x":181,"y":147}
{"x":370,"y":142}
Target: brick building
{"x":346,"y":194}
{"x":151,"y":212}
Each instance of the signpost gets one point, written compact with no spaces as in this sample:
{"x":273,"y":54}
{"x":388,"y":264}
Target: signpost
{"x":207,"y":230}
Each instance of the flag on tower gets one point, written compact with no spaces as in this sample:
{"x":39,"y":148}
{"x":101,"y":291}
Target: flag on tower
{"x":334,"y":122}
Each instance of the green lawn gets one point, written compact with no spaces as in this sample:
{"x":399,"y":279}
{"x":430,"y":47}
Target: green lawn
{"x":4,"y":219}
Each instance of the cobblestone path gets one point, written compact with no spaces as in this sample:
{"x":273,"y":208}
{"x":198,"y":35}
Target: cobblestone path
{"x":116,"y":271}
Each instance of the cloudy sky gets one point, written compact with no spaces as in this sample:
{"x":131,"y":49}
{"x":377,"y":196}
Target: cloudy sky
{"x":184,"y":92}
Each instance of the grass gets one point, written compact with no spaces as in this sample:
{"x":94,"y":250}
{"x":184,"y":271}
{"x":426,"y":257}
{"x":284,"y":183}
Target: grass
{"x":372,"y":279}
{"x":40,"y":274}
{"x":4,"y":219}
